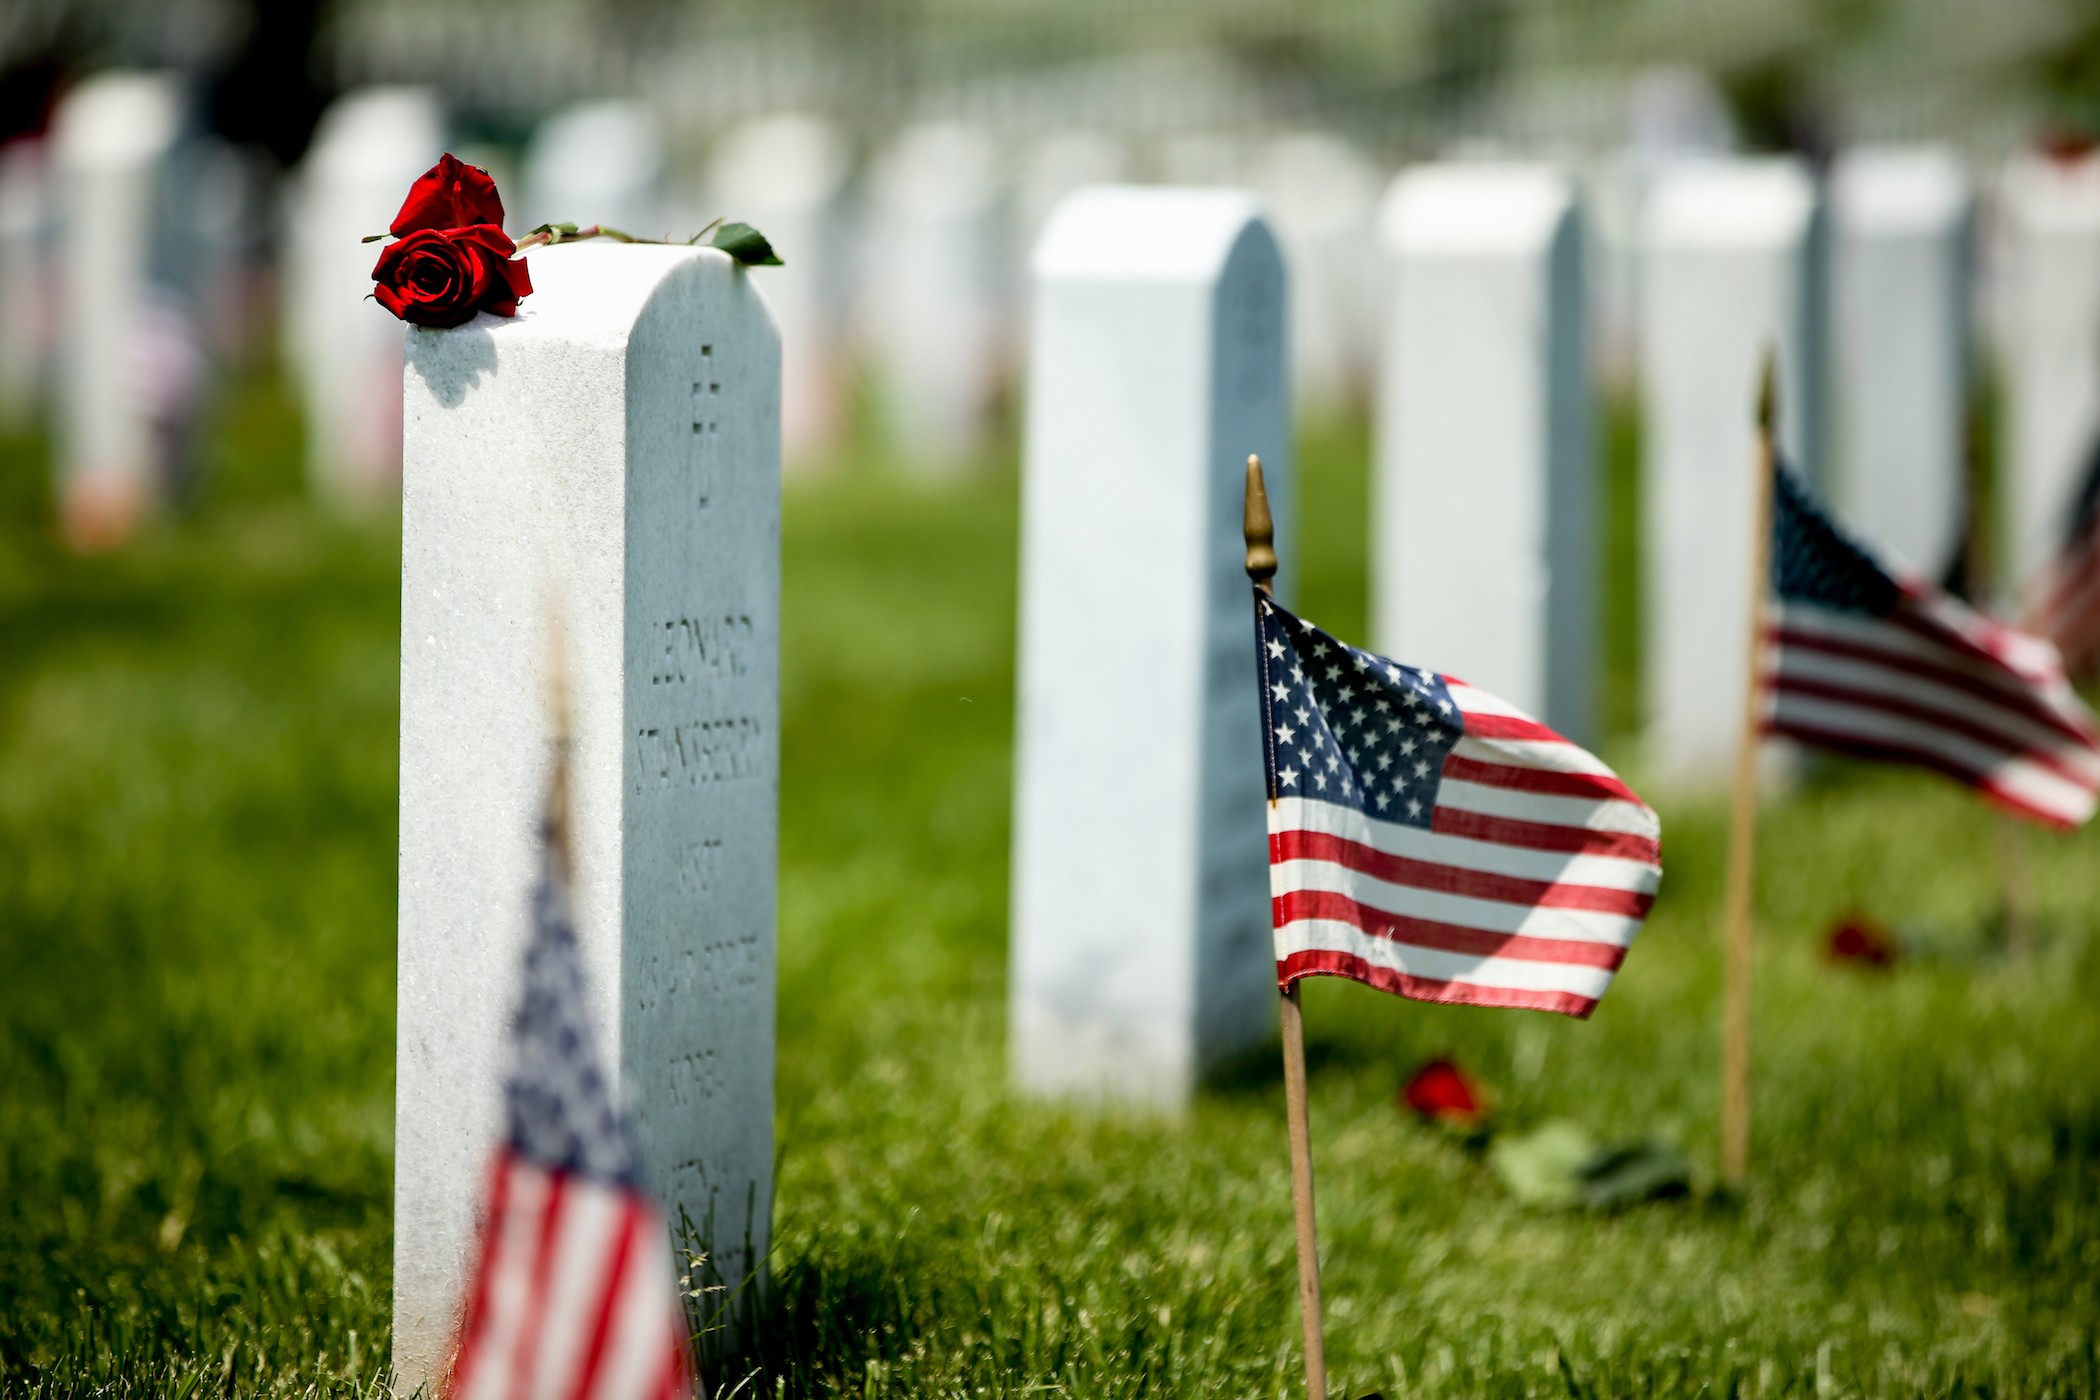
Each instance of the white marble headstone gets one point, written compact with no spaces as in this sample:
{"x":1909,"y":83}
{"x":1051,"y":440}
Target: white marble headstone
{"x":1482,"y":556}
{"x":25,"y":294}
{"x":788,"y":177}
{"x":608,"y":462}
{"x":596,"y":163}
{"x":2051,"y":340}
{"x":1141,"y":947}
{"x":1732,"y":254}
{"x":345,"y":349}
{"x":936,"y":294}
{"x":1901,"y":224}
{"x":126,"y":371}
{"x":1322,"y":195}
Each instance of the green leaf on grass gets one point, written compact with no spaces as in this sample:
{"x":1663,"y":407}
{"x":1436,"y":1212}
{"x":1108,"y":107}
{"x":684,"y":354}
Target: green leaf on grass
{"x":746,"y":244}
{"x":1544,"y":1166}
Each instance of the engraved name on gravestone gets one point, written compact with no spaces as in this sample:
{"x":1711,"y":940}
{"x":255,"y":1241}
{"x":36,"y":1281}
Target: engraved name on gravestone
{"x":1900,"y":285}
{"x":609,"y":459}
{"x":1481,"y":554}
{"x":1732,"y":270}
{"x":1141,"y":949}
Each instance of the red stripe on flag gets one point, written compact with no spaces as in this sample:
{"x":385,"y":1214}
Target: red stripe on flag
{"x":1445,"y":879}
{"x":1317,"y":962}
{"x":542,"y":1279}
{"x":1892,"y":752}
{"x":468,"y":1350}
{"x":1962,"y":726}
{"x":1545,"y":836}
{"x":1487,"y":726}
{"x":2010,"y":692}
{"x":1441,"y":937}
{"x":1595,"y":787}
{"x":609,"y":1299}
{"x":675,"y":1380}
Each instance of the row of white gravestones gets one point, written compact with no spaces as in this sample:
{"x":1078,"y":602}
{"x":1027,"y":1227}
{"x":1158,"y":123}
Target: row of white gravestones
{"x":1140,"y":929}
{"x":597,"y":479}
{"x":130,"y":362}
{"x":1732,"y":270}
{"x":596,"y":163}
{"x":344,"y":348}
{"x":1483,"y":558}
{"x":2051,"y":348}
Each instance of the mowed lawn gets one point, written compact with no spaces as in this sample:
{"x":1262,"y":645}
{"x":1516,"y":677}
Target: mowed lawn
{"x":197,"y":828}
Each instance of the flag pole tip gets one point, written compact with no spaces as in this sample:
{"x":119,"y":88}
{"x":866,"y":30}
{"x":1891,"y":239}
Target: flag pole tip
{"x":1258,"y":528}
{"x":1768,"y":392}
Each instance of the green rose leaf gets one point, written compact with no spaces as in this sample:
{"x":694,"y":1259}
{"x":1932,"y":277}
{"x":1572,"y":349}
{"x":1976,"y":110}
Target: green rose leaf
{"x":746,"y":244}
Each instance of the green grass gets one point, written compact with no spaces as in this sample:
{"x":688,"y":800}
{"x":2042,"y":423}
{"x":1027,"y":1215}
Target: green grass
{"x":197,"y":820}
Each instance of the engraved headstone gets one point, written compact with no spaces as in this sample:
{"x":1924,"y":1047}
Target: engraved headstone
{"x":787,"y":176}
{"x":1732,"y":253}
{"x":935,"y":275}
{"x":606,"y":466}
{"x":1322,"y":196}
{"x":129,"y":364}
{"x":596,"y":163}
{"x":345,"y":349}
{"x":1900,"y":290}
{"x":1482,"y":555}
{"x":2051,"y":348}
{"x":1140,"y":926}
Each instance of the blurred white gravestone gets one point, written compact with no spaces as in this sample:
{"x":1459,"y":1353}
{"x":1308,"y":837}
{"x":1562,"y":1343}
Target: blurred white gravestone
{"x":1482,"y":555}
{"x":596,"y":163}
{"x":2052,"y":348}
{"x":1732,"y":270}
{"x":1053,"y":168}
{"x":608,"y":461}
{"x":125,"y":373}
{"x":787,"y":177}
{"x":344,"y":347}
{"x":25,"y":299}
{"x":1323,"y":198}
{"x":1900,"y":290}
{"x":934,"y":273}
{"x":1141,"y":949}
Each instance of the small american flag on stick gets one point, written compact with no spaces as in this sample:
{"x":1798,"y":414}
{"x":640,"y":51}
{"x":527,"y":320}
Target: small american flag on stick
{"x":1859,"y":658}
{"x":1428,"y":839}
{"x":572,"y":1295}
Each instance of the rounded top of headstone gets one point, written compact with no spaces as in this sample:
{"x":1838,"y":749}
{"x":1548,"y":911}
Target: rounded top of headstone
{"x":1729,"y":202}
{"x":1898,"y":188}
{"x":595,"y":291}
{"x":938,"y":168}
{"x":117,"y":118}
{"x":1475,"y":207}
{"x":595,"y":162}
{"x":1147,"y":232}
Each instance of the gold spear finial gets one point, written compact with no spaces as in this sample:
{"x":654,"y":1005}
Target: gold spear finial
{"x":1768,"y":392}
{"x":1258,"y":528}
{"x":558,"y":715}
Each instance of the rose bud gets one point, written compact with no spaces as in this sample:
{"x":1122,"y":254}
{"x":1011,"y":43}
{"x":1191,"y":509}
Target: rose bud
{"x":444,"y":277}
{"x":1444,"y":1093}
{"x":451,"y":194}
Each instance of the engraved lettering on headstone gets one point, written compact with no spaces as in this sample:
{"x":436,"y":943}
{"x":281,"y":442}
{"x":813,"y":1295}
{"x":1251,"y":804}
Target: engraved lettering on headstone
{"x":702,"y":649}
{"x":699,"y":752}
{"x":706,"y":419}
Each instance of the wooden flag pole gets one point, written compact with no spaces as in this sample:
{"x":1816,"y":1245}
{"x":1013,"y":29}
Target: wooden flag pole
{"x":1742,"y":834}
{"x":1260,"y":533}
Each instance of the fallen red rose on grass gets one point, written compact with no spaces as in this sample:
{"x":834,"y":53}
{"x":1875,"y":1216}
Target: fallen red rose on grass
{"x":1444,"y":1093}
{"x":444,"y":277}
{"x":450,"y":195}
{"x":1858,"y":939}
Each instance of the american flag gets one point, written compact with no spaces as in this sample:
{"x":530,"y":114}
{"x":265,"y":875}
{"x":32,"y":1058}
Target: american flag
{"x":1428,"y":839}
{"x":1861,"y":658}
{"x":572,"y":1296}
{"x":2066,"y":597}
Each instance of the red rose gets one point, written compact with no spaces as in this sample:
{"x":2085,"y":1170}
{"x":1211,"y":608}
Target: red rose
{"x":1858,"y":939}
{"x":443,"y":276}
{"x":451,"y":194}
{"x":1441,"y":1091}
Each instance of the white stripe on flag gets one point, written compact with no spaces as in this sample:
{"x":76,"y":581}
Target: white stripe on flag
{"x":1609,"y":814}
{"x":1545,"y":755}
{"x":1486,"y":915}
{"x":593,"y":1214}
{"x":1309,"y":935}
{"x":1463,"y":853}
